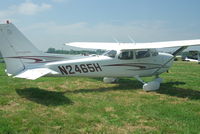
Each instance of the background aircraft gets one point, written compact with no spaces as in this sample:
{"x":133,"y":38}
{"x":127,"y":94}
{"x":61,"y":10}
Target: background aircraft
{"x":193,"y":56}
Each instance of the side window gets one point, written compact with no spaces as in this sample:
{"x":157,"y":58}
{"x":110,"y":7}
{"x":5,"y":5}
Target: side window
{"x":126,"y":55}
{"x":142,"y":54}
{"x":111,"y":53}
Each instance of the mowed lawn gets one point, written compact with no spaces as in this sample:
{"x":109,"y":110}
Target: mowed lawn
{"x":77,"y":105}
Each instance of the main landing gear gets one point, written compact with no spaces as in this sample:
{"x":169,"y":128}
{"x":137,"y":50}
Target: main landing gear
{"x":152,"y":85}
{"x":147,"y":86}
{"x":110,"y":80}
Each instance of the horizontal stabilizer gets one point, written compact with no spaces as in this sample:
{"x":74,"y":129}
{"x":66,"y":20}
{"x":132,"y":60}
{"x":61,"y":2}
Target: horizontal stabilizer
{"x":35,"y":73}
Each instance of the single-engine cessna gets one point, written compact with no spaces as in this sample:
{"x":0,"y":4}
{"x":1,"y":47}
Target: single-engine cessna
{"x":24,"y":60}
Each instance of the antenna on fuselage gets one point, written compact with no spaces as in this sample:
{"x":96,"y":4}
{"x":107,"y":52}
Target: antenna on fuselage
{"x":115,"y":39}
{"x":131,"y":39}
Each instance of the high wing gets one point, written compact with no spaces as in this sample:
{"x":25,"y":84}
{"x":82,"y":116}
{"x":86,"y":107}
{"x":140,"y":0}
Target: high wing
{"x":166,"y":44}
{"x":125,"y":46}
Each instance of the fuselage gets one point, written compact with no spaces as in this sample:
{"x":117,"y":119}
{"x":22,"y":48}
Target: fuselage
{"x":114,"y":66}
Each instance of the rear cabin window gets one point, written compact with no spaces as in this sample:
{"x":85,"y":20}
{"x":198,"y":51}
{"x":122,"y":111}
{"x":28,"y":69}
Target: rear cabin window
{"x":126,"y":55}
{"x":111,"y":53}
{"x":142,"y":54}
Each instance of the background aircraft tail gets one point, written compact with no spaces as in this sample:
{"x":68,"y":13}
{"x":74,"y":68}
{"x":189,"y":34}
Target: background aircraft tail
{"x":16,"y":48}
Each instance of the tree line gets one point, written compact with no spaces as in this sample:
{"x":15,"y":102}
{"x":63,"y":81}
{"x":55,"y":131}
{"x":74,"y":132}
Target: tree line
{"x":74,"y":52}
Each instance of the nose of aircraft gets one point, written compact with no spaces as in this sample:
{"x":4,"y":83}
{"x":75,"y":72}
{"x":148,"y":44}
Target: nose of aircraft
{"x":167,"y":60}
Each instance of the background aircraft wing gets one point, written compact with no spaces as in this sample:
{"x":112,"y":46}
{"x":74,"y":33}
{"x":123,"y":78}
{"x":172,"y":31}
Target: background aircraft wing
{"x":125,"y":46}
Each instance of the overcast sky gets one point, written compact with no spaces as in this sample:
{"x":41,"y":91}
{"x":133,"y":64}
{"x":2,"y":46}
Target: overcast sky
{"x":51,"y":23}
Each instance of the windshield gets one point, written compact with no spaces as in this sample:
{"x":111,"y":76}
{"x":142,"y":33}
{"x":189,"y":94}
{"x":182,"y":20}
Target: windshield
{"x":111,"y":53}
{"x":154,"y":52}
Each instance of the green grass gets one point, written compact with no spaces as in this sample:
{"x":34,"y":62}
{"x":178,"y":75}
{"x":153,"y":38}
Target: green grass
{"x":87,"y":105}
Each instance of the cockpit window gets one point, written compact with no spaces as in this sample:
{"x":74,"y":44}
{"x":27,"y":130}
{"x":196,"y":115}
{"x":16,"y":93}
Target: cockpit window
{"x":142,"y":54}
{"x":111,"y":53}
{"x":126,"y":55}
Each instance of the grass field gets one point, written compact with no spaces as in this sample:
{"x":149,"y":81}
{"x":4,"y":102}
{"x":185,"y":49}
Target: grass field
{"x":87,"y":105}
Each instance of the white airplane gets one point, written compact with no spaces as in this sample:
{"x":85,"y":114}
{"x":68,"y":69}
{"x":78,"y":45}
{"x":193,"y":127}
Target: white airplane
{"x":194,"y":56}
{"x":192,"y":60}
{"x":23,"y":60}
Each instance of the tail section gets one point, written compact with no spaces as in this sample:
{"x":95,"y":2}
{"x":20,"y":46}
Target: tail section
{"x":15,"y":47}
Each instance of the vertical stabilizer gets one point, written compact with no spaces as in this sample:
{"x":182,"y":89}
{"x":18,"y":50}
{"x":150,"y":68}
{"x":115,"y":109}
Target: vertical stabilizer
{"x":13,"y":46}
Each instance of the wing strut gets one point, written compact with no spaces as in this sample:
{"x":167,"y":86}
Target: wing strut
{"x":179,"y":50}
